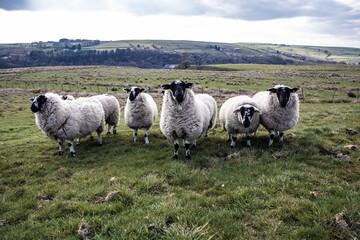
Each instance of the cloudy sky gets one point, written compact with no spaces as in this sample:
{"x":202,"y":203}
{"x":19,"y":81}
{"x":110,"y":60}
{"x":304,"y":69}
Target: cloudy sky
{"x":301,"y":22}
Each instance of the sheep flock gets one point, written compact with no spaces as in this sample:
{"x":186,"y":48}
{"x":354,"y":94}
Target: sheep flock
{"x":184,"y":115}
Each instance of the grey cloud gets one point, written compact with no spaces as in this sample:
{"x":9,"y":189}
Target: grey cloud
{"x":10,"y":5}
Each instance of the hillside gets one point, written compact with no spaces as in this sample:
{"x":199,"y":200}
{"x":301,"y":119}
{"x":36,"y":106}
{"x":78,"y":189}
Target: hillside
{"x":158,"y":53}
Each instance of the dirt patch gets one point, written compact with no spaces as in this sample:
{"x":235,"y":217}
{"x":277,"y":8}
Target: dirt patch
{"x":337,"y":154}
{"x":351,"y":132}
{"x":340,"y":220}
{"x":85,"y":231}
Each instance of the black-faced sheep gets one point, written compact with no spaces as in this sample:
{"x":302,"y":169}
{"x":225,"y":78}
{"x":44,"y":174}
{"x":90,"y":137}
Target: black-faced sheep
{"x":239,"y":115}
{"x":279,"y":108}
{"x":140,"y":111}
{"x":66,"y":120}
{"x":184,"y":115}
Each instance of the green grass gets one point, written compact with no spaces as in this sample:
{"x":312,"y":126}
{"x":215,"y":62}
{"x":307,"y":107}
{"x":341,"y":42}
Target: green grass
{"x":291,"y":191}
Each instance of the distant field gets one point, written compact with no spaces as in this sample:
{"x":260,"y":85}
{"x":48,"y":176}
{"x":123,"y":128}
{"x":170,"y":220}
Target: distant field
{"x":306,"y":188}
{"x":297,"y":53}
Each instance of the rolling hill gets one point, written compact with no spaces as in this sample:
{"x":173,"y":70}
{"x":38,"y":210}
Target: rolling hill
{"x":158,"y":53}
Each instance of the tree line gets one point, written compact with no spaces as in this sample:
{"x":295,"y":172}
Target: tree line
{"x":128,"y":57}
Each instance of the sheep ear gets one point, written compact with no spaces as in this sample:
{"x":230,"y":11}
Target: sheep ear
{"x":166,"y":86}
{"x":64,"y":97}
{"x":294,"y":90}
{"x":142,"y":90}
{"x":257,"y":110}
{"x":272,"y":90}
{"x":127,"y":90}
{"x":238,"y":110}
{"x":31,"y":99}
{"x":190,"y":85}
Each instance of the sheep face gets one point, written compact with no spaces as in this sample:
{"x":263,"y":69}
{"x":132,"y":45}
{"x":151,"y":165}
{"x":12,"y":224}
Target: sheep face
{"x":178,"y":88}
{"x":283,"y":93}
{"x":134,"y":92}
{"x":246,"y":114}
{"x":37,"y":103}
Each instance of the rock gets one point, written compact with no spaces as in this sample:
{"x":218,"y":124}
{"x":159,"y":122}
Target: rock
{"x":232,"y":156}
{"x":351,"y":147}
{"x":85,"y":231}
{"x":3,"y":223}
{"x":344,"y":157}
{"x":111,"y":195}
{"x":112,"y":181}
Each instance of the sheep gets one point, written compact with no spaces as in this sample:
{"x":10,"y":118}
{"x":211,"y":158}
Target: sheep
{"x":66,"y":120}
{"x":280,"y":109}
{"x":239,"y":115}
{"x":111,"y":107}
{"x":184,"y":115}
{"x":140,"y":111}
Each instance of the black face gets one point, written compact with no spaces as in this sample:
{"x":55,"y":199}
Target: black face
{"x":37,"y":103}
{"x":247,"y":114}
{"x":178,"y":89}
{"x":134,"y":92}
{"x":283,"y":94}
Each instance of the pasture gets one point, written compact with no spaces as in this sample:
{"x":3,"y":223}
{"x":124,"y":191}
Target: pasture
{"x":305,"y":188}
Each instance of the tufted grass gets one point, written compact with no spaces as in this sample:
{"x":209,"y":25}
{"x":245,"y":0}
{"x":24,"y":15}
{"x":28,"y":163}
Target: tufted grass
{"x":291,"y":191}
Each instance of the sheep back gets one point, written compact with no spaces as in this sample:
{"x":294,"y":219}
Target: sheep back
{"x":111,"y":108}
{"x":211,"y":105}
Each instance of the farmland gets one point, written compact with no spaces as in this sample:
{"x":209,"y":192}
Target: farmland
{"x":307,"y":187}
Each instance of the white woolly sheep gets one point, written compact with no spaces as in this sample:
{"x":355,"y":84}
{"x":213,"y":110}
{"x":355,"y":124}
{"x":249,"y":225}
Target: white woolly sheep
{"x":140,"y":111}
{"x":279,"y":108}
{"x":239,"y":115}
{"x":66,"y":120}
{"x":184,"y":115}
{"x":111,"y":108}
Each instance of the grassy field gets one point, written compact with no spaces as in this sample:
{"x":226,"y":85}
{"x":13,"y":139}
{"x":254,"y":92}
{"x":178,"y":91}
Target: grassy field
{"x":306,"y":188}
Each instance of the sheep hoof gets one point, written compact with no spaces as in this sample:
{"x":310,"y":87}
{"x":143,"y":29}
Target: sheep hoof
{"x":188,"y":157}
{"x":91,"y":138}
{"x":72,"y":154}
{"x":114,"y":131}
{"x":61,"y":153}
{"x":193,"y":146}
{"x":231,"y":146}
{"x":108,"y":133}
{"x":176,"y":156}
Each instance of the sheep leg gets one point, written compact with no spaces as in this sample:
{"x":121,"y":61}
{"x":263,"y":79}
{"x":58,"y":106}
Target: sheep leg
{"x":248,"y":143}
{"x":61,"y":150}
{"x":187,"y":149}
{"x":272,"y":136}
{"x":146,"y":136}
{"x":72,"y":150}
{"x":91,"y":137}
{"x":233,"y":140}
{"x":194,"y":143}
{"x":99,"y":138}
{"x":114,"y":129}
{"x":176,"y":146}
{"x":78,"y":141}
{"x":281,"y":134}
{"x":207,"y":133}
{"x":135,"y":135}
{"x":109,"y":130}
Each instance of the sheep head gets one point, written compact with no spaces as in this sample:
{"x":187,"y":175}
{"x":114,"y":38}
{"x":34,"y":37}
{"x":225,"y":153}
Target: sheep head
{"x":283,"y":93}
{"x":246,"y":115}
{"x":178,"y":89}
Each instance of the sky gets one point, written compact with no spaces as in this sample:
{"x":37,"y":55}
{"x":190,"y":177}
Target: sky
{"x":293,"y":22}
